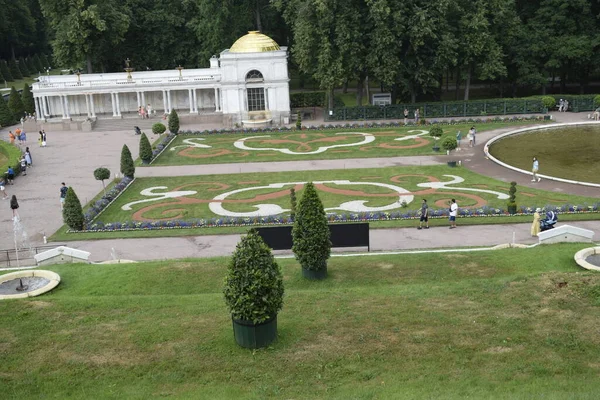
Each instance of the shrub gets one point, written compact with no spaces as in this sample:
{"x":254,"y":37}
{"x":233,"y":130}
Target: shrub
{"x":512,"y":203}
{"x":127,"y":166}
{"x":23,"y":67}
{"x":14,"y":69}
{"x":597,"y":101}
{"x":27,"y":99}
{"x":436,"y":131}
{"x":145,"y":149}
{"x":158,"y":128}
{"x":299,"y":121}
{"x":72,"y":211}
{"x":5,"y":71}
{"x":308,"y":99}
{"x":293,"y":203}
{"x":449,"y":143}
{"x":6,"y":117}
{"x":548,"y":102}
{"x":310,"y":233}
{"x":15,"y":105}
{"x":254,"y":284}
{"x":174,"y":122}
{"x":102,"y":174}
{"x":38,"y":64}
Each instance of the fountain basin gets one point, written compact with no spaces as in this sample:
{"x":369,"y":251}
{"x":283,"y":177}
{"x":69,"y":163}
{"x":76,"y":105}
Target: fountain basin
{"x":589,"y":258}
{"x":38,"y":282}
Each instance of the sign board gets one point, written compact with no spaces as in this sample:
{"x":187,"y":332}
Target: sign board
{"x":382,"y":99}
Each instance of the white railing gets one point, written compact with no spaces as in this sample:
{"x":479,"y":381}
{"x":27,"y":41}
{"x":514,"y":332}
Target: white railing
{"x":134,"y":82}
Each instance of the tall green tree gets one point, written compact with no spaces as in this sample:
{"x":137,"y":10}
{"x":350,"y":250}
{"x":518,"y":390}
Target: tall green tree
{"x":72,"y":211}
{"x":174,"y":122}
{"x":45,"y":61}
{"x":14,"y":69}
{"x":6,"y":117}
{"x":85,"y":31}
{"x":17,"y":28}
{"x":38,"y":64}
{"x":5,"y":71}
{"x":27,"y":99}
{"x":23,"y":67}
{"x":15,"y":105}
{"x":145,"y":149}
{"x":127,"y":165}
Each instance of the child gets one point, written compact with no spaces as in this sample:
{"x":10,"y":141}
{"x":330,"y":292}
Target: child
{"x":23,"y":166}
{"x":10,"y":175}
{"x":3,"y":189}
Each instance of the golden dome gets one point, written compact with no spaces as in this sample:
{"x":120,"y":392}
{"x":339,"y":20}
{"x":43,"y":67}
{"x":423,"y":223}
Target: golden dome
{"x":254,"y":42}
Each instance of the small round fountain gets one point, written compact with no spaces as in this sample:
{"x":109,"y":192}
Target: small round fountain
{"x":589,"y":258}
{"x":23,"y":284}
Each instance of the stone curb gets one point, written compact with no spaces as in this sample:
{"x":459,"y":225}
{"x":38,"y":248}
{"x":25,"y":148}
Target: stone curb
{"x":53,"y":277}
{"x":581,"y":255}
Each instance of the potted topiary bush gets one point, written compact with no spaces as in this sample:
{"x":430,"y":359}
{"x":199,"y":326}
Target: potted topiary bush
{"x":449,"y":143}
{"x":548,"y":102}
{"x":311,"y":235}
{"x":436,"y":132}
{"x":158,"y":128}
{"x":512,"y":204}
{"x":253,"y":292}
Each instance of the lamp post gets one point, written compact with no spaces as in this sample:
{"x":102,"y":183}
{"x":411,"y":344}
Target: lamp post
{"x":128,"y":69}
{"x":179,"y":68}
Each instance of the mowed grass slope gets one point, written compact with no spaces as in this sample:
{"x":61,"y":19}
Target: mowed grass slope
{"x":510,"y":324}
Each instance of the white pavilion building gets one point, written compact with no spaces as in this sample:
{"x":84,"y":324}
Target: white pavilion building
{"x":247,"y":84}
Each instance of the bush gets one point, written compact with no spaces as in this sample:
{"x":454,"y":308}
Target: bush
{"x":512,"y":203}
{"x":127,"y":166}
{"x":6,"y":117}
{"x":174,"y":122}
{"x":15,"y":105}
{"x":14,"y":69}
{"x":597,"y":101}
{"x":310,"y":232}
{"x":449,"y":143}
{"x":308,"y":99}
{"x":254,"y":284}
{"x":293,"y":203}
{"x":102,"y":174}
{"x":158,"y":128}
{"x":5,"y":71}
{"x":72,"y":211}
{"x":548,"y":102}
{"x":27,"y":99}
{"x":436,"y":132}
{"x":299,"y":121}
{"x":145,"y":149}
{"x":23,"y":67}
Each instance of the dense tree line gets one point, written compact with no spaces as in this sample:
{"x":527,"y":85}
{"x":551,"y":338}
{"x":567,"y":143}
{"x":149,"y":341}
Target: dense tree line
{"x":411,"y":47}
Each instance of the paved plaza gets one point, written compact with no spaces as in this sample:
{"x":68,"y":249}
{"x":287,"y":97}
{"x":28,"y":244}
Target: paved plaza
{"x":72,"y":156}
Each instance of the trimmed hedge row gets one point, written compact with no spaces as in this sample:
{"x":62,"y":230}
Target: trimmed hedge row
{"x":13,"y":155}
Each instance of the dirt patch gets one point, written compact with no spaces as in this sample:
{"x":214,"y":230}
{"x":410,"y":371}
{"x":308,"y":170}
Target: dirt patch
{"x":498,"y":350}
{"x":385,"y":265}
{"x":39,"y":304}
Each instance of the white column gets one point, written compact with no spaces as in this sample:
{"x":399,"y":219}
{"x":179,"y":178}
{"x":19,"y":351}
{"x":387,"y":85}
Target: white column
{"x":38,"y":115}
{"x":112,"y":102}
{"x":143,"y":98}
{"x":196,"y":101}
{"x":45,"y":105}
{"x":92,"y":105}
{"x":118,"y":105}
{"x":191,"y":97}
{"x":165,"y":101}
{"x":169,"y":101}
{"x":68,"y":113}
{"x":266,"y":93}
{"x":139,"y":99}
{"x":216,"y":99}
{"x":87,"y":105}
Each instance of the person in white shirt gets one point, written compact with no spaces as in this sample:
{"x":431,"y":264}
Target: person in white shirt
{"x":453,"y":213}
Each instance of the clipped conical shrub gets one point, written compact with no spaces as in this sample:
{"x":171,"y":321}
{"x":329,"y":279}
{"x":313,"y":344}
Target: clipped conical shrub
{"x":33,"y":71}
{"x":23,"y":67}
{"x":15,"y":105}
{"x":27,"y":99}
{"x":72,"y":211}
{"x":6,"y":117}
{"x":14,"y":69}
{"x":174,"y":122}
{"x":37,"y":63}
{"x":145,"y":149}
{"x":127,"y":166}
{"x":6,"y":71}
{"x":311,"y":235}
{"x":45,"y":61}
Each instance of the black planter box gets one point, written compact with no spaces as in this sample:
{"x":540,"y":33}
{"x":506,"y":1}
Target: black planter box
{"x":452,"y":164}
{"x":254,"y":336}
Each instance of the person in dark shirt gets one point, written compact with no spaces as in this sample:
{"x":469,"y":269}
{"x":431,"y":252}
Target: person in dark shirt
{"x":63,"y":195}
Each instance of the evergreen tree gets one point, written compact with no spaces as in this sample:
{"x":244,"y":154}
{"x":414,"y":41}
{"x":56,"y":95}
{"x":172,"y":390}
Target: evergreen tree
{"x":15,"y":105}
{"x":27,"y":99}
{"x":311,"y":235}
{"x":145,"y":149}
{"x":174,"y":122}
{"x":5,"y":71}
{"x":6,"y":117}
{"x":38,"y":64}
{"x":14,"y":69}
{"x":33,"y":71}
{"x":1,"y":77}
{"x":72,"y":211}
{"x":45,"y":61}
{"x":127,"y":166}
{"x":23,"y":67}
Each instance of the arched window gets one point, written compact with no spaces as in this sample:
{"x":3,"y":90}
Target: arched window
{"x":254,"y":76}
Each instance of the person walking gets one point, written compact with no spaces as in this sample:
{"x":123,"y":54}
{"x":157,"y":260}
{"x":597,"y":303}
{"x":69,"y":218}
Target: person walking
{"x":472,"y":133}
{"x":28,"y":158}
{"x":405,"y":116}
{"x":10,"y":175}
{"x":535,"y":225}
{"x":44,"y":138}
{"x":40,"y":139}
{"x":23,"y":163}
{"x":453,"y":213}
{"x":23,"y":137}
{"x":417,"y":116}
{"x":534,"y":170}
{"x":63,"y":195}
{"x":424,"y":215}
{"x":3,"y":189}
{"x":458,"y":139}
{"x":14,"y":206}
{"x":11,"y":137}
{"x":149,"y":109}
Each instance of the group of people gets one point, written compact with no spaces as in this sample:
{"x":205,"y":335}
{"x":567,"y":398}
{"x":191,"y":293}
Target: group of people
{"x":452,"y":214}
{"x":145,"y":111}
{"x":416,"y":114}
{"x":563,"y":105}
{"x":20,"y":135}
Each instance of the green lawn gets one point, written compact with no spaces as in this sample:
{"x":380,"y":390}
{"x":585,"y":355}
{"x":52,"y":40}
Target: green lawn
{"x":222,"y":149}
{"x":569,"y":153}
{"x":332,"y":195}
{"x":510,"y":324}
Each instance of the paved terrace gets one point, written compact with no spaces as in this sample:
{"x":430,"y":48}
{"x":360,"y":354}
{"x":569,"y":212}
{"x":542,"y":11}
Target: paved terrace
{"x":71,"y":157}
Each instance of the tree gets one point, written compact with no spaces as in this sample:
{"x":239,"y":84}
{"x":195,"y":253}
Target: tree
{"x":5,"y":71}
{"x":310,"y":233}
{"x":102,"y":174}
{"x":158,"y":128}
{"x":85,"y":31}
{"x":45,"y":61}
{"x":33,"y":71}
{"x":173,"y":122}
{"x":254,"y":284}
{"x":145,"y":149}
{"x":72,"y":211}
{"x":293,"y":203}
{"x":127,"y":166}
{"x":6,"y":117}
{"x":14,"y":69}
{"x":27,"y":99}
{"x":18,"y":28}
{"x":23,"y":67}
{"x":38,"y":64}
{"x":15,"y":105}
